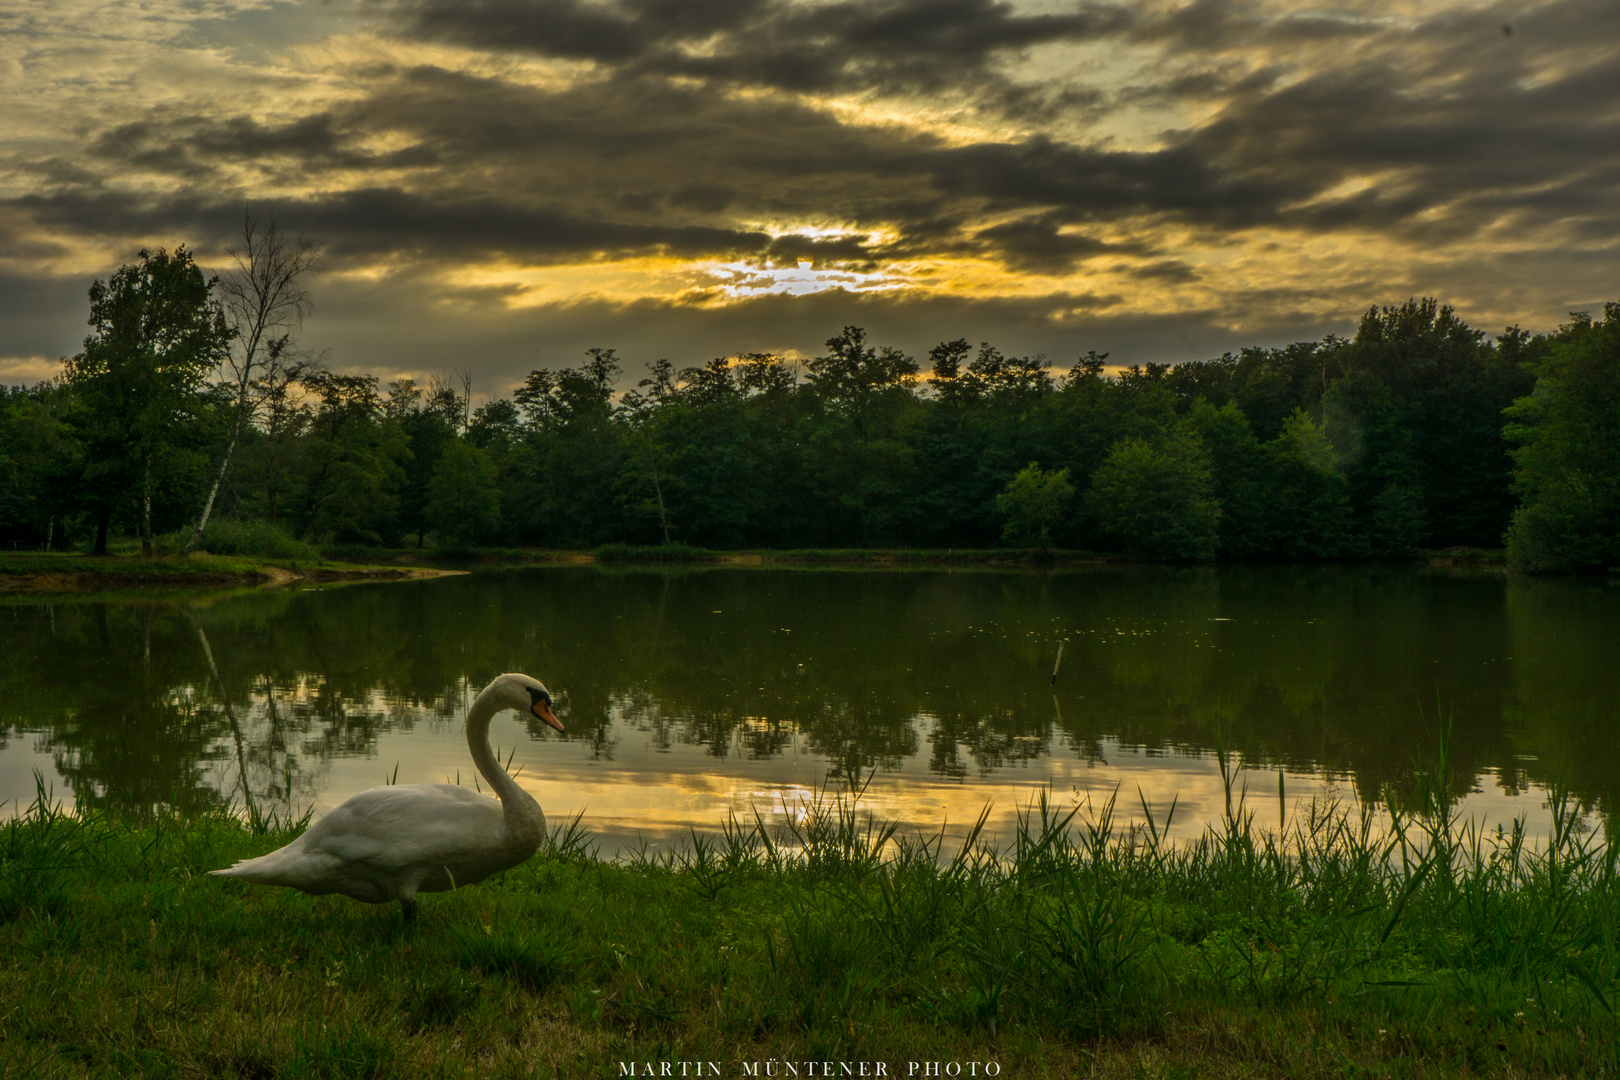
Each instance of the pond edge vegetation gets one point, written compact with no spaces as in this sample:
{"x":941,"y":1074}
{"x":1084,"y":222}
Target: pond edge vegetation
{"x":1395,"y":937}
{"x":27,"y":572}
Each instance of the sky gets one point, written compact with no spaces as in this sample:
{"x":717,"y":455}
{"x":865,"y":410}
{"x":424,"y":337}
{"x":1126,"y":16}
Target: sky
{"x":498,"y":185}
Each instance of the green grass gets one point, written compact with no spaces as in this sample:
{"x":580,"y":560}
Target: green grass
{"x":1464,"y":555}
{"x":201,"y":565}
{"x":30,"y":572}
{"x":936,"y":556}
{"x":653,"y":553}
{"x":1419,"y":947}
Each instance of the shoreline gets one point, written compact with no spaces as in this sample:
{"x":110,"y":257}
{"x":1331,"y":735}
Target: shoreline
{"x":32,"y":573}
{"x":38,"y":573}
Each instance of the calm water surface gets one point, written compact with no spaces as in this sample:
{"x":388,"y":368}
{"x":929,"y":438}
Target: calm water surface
{"x":693,"y":694}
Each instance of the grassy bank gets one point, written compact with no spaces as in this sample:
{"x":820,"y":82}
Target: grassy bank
{"x":1334,"y":949}
{"x":25,"y":570}
{"x":857,"y":558}
{"x":33,"y":571}
{"x":683,"y":554}
{"x":29,"y":571}
{"x":688,"y":555}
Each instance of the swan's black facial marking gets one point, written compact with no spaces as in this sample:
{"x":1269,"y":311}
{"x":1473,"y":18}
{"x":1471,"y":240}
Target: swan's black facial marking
{"x":540,"y":706}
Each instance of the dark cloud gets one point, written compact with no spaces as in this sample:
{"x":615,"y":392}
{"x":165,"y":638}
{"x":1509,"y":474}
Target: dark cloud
{"x":774,"y":43}
{"x":42,"y":314}
{"x":1035,"y":245}
{"x":702,"y":129}
{"x":21,"y":242}
{"x":1168,"y":270}
{"x":562,"y":28}
{"x":195,"y":146}
{"x":372,"y":222}
{"x":1453,"y":136}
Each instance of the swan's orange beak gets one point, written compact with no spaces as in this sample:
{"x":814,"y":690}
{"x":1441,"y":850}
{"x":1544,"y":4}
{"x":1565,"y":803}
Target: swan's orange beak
{"x":543,"y":711}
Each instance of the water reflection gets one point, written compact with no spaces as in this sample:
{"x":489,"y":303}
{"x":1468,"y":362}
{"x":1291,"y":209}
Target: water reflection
{"x":689,"y":693}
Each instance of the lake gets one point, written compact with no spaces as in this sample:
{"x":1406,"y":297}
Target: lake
{"x":691,"y":695}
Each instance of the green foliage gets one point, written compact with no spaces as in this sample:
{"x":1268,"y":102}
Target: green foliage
{"x":1158,"y":498}
{"x":256,"y":539}
{"x":427,"y":430}
{"x":1034,"y":502}
{"x":1429,"y":393}
{"x":1567,"y":466}
{"x":850,"y":448}
{"x":1310,"y":499}
{"x":138,"y":384}
{"x":349,"y":470}
{"x":464,"y":503}
{"x":1242,"y":480}
{"x":39,"y":463}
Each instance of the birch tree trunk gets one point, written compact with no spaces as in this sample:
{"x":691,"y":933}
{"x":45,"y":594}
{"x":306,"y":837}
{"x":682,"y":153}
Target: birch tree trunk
{"x":266,"y":300}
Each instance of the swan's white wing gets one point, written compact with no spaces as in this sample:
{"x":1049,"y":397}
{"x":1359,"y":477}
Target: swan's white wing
{"x":387,"y":842}
{"x":407,"y":825}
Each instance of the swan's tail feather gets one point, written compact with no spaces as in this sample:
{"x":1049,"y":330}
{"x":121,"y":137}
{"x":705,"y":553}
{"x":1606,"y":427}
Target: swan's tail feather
{"x":271,"y":869}
{"x":255,"y":870}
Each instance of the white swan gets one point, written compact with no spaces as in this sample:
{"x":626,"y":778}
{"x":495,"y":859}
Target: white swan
{"x":390,"y":843}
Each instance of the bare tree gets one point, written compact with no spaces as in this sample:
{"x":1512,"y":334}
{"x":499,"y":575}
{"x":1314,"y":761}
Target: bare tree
{"x":265,"y":298}
{"x":444,"y":398}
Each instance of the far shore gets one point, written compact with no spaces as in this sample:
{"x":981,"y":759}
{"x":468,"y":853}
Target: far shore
{"x":73,"y":572}
{"x":69,"y":572}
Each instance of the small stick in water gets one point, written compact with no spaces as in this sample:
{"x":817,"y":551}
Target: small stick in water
{"x":1282,"y":804}
{"x":1055,"y":664}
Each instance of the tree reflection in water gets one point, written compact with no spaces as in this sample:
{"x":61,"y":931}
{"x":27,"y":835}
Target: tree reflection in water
{"x":196,"y":703}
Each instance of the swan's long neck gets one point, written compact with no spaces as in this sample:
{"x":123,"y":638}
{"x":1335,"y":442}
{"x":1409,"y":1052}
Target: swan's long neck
{"x":521,"y":812}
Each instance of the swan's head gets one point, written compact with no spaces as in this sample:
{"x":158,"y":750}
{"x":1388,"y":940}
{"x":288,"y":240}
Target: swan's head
{"x":528,"y":695}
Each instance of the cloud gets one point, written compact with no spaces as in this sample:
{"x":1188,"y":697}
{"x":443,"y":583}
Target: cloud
{"x":796,"y":47}
{"x":195,"y":147}
{"x":1261,"y":167}
{"x":27,"y":370}
{"x":44,"y":316}
{"x":1037,"y":245}
{"x":1427,"y":139}
{"x":1172,"y":270}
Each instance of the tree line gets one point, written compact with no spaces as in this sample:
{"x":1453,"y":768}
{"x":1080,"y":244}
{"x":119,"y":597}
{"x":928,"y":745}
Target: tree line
{"x":191,"y":415}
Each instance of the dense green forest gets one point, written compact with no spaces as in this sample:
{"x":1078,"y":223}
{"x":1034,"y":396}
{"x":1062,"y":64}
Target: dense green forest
{"x":191,"y":402}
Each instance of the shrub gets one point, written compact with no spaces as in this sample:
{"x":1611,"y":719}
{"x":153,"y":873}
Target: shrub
{"x":254,"y":539}
{"x":1034,"y":503}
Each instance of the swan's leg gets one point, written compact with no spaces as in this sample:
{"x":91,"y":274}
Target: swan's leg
{"x":409,"y":908}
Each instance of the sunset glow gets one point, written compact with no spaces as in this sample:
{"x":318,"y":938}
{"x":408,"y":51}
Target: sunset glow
{"x":514,"y":182}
